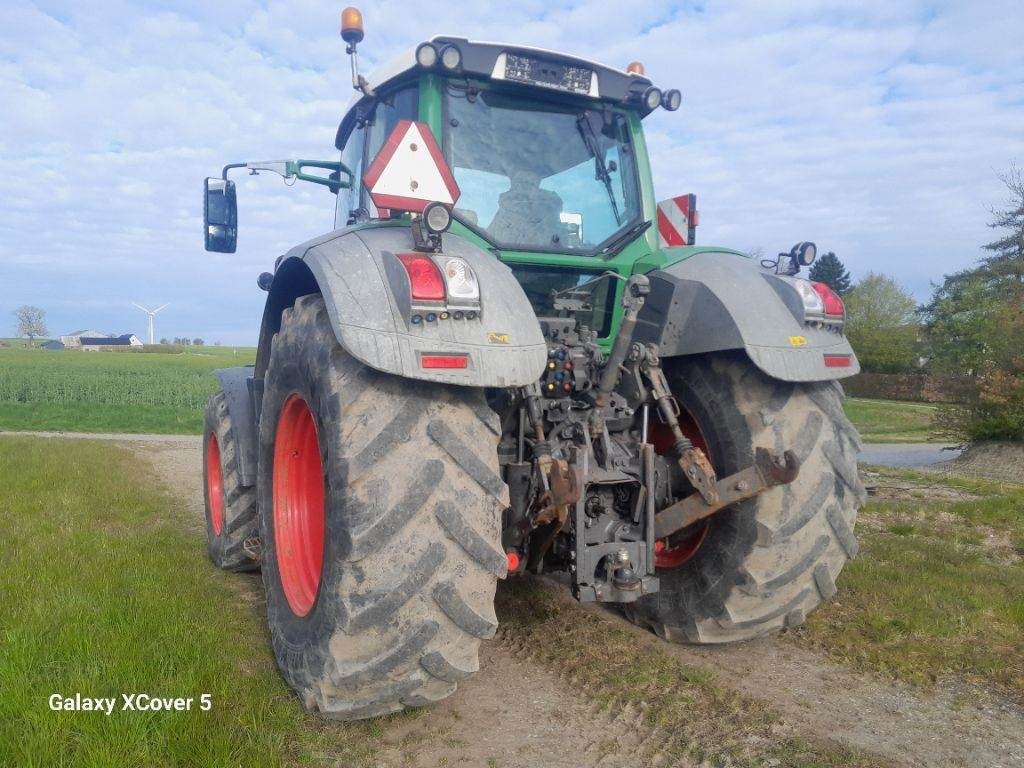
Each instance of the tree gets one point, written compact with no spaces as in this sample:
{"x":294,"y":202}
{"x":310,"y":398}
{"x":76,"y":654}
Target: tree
{"x":31,"y":322}
{"x":829,"y":269}
{"x":164,"y":341}
{"x":198,"y":342}
{"x":975,"y":324}
{"x":881,"y":324}
{"x":1008,"y":251}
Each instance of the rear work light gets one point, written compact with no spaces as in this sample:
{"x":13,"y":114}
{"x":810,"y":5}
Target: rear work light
{"x":444,"y":361}
{"x":833,"y":305}
{"x":425,"y":279}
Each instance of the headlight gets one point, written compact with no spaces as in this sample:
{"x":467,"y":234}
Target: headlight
{"x":652,"y":98}
{"x":426,"y":55}
{"x":437,"y":218}
{"x":451,"y":57}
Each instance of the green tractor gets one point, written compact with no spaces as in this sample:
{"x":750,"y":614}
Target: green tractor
{"x":509,"y":358}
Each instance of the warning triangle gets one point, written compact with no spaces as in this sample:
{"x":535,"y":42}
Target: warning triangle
{"x":410,"y":171}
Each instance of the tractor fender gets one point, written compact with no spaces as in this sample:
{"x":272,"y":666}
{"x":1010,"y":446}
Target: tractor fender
{"x":236,"y":384}
{"x":716,"y":301}
{"x":367,"y":295}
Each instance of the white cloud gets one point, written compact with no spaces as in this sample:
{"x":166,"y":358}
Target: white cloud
{"x":874,"y":128}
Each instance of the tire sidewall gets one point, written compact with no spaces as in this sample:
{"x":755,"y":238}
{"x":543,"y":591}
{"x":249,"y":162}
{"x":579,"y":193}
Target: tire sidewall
{"x":215,"y":544}
{"x":300,"y":642}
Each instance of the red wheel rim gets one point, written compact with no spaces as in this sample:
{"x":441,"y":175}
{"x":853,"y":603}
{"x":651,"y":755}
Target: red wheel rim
{"x":674,"y":553}
{"x":298,"y":497}
{"x":214,"y":484}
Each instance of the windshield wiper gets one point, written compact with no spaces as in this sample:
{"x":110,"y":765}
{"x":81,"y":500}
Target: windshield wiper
{"x":590,"y":141}
{"x":623,"y":239}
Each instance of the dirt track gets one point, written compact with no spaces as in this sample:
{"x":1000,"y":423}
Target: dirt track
{"x":547,"y":722}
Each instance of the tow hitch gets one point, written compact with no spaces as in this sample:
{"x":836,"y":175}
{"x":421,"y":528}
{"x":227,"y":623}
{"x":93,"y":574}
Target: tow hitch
{"x":765,"y":473}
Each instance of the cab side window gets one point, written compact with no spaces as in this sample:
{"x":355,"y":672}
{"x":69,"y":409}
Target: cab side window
{"x":363,"y":144}
{"x":352,"y":158}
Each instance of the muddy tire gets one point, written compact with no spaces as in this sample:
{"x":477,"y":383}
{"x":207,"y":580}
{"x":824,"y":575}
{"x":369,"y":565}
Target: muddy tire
{"x":232,"y":525}
{"x":409,"y":526}
{"x":766,"y":563}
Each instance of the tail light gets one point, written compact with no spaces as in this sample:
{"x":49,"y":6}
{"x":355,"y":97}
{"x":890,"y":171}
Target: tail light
{"x":833,"y":305}
{"x":425,"y":278}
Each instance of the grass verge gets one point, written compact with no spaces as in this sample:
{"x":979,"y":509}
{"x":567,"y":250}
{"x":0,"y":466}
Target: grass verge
{"x":699,"y":719}
{"x":104,"y":591}
{"x":891,"y":421}
{"x":938,"y":587}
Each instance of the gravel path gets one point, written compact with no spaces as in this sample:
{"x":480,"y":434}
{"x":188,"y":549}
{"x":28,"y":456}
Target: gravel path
{"x":907,"y":454}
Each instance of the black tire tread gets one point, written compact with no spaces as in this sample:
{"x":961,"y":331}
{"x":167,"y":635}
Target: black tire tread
{"x":241,"y":519}
{"x":395,"y":644}
{"x":804,"y":531}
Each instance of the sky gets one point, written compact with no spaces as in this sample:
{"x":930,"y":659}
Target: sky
{"x":874,"y":128}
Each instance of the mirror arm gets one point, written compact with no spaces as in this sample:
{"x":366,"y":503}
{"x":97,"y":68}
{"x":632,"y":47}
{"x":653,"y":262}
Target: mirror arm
{"x":294,"y":169}
{"x":296,"y":166}
{"x":224,"y":173}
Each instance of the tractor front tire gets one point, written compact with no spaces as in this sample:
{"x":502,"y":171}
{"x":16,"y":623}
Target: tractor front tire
{"x":380,"y":505}
{"x":763,"y":564}
{"x":232,"y":525}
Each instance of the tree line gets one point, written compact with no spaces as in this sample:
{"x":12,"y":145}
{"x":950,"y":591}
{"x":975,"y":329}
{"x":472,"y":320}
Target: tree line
{"x":972,"y":327}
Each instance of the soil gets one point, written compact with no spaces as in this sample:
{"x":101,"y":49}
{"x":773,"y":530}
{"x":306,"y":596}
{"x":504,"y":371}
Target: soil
{"x":546,"y":721}
{"x":881,"y":487}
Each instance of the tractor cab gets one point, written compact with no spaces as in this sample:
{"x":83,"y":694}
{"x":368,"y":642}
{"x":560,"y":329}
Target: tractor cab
{"x":547,"y":152}
{"x":545,"y":148}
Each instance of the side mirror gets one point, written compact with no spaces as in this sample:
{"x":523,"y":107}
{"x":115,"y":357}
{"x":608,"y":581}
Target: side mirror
{"x":220,"y":215}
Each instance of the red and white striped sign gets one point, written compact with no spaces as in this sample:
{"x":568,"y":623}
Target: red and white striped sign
{"x":677,"y":220}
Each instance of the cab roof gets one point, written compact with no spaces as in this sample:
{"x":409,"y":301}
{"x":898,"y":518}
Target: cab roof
{"x":526,"y":66}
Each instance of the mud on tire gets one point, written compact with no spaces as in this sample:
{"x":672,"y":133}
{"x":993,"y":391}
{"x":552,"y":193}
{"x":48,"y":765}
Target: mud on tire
{"x":765,"y":563}
{"x":412,"y":505}
{"x":232,"y":524}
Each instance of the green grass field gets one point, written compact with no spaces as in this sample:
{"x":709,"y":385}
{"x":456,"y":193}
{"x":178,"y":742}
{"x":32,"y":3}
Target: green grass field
{"x":891,"y":421}
{"x":938,"y":587}
{"x":106,"y":589}
{"x":111,"y":391}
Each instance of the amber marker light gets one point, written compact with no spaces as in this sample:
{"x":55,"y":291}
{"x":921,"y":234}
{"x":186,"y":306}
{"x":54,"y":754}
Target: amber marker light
{"x":351,"y":25}
{"x":635,"y":68}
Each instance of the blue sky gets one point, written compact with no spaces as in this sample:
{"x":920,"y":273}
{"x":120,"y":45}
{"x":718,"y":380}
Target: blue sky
{"x":875,"y":129}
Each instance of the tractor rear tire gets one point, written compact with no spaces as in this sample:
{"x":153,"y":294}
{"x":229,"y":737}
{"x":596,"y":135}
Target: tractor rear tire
{"x":401,"y":529}
{"x":764,"y":564}
{"x":232,"y":525}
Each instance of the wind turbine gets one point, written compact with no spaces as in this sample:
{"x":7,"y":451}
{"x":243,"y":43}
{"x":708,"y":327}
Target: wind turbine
{"x":152,"y":314}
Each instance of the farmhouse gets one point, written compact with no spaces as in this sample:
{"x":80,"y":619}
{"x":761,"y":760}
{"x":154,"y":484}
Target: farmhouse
{"x":95,"y":343}
{"x":74,"y":339}
{"x":92,"y":340}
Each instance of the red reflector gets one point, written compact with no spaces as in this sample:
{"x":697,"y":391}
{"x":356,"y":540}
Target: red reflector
{"x":424,"y":277}
{"x":838,"y":361}
{"x":513,"y":561}
{"x":833,"y":304}
{"x":444,"y":361}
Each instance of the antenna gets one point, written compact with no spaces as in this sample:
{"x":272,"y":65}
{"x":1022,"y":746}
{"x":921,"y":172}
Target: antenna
{"x":152,"y":314}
